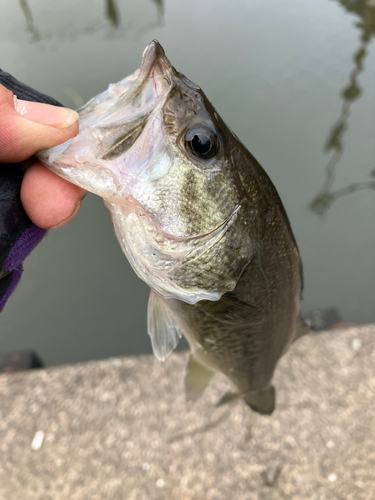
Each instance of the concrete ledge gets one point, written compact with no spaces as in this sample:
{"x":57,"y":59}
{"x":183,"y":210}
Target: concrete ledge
{"x":120,"y":429}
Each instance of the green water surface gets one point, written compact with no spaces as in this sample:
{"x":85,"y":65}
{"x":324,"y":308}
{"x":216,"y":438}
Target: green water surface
{"x":295,"y":80}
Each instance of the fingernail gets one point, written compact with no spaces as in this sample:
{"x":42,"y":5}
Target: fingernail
{"x":66,"y":221}
{"x":46,"y":114}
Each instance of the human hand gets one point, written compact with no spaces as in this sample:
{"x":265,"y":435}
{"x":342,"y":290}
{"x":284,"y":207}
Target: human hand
{"x":25,"y":128}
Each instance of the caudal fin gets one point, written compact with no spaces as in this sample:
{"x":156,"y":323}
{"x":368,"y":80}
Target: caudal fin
{"x":261,"y":401}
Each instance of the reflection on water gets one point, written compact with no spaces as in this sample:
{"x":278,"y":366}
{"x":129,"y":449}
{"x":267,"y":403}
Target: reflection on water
{"x":72,"y":19}
{"x":160,"y":6}
{"x":79,"y":297}
{"x":350,"y":93}
{"x":30,"y":27}
{"x":159,"y":20}
{"x":111,"y":12}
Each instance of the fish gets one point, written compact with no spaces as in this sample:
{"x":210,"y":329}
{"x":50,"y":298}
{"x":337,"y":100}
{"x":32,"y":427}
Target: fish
{"x":200,"y":222}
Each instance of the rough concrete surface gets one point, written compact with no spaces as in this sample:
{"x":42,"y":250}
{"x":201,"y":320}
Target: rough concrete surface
{"x":120,"y":429}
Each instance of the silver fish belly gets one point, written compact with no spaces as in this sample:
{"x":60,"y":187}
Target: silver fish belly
{"x":200,"y":222}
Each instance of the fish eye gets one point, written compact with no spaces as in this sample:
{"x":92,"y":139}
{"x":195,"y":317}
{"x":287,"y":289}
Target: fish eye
{"x":201,"y":142}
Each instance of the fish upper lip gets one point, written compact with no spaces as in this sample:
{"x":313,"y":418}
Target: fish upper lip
{"x":152,"y":55}
{"x":155,"y":64}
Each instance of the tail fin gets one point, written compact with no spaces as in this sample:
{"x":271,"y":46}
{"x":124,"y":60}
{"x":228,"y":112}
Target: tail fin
{"x":261,"y":401}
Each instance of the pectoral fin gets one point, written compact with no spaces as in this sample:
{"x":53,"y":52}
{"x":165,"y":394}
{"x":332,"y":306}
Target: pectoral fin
{"x":162,"y":327}
{"x":197,"y":379}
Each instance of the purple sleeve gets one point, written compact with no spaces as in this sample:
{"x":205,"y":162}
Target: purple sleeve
{"x":18,"y":235}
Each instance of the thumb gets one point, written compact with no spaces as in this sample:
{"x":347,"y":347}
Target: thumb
{"x":27,"y":127}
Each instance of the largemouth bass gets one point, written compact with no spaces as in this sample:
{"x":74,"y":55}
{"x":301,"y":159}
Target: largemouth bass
{"x":200,"y":222}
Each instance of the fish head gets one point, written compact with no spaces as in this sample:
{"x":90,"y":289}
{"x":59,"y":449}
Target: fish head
{"x":171,"y":174}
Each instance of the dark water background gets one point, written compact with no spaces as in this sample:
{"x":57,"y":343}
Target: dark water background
{"x":295,"y":80}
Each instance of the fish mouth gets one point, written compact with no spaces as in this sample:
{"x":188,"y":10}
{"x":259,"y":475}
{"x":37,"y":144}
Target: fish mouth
{"x":155,"y":66}
{"x":99,"y":158}
{"x":154,"y":61}
{"x":136,"y":105}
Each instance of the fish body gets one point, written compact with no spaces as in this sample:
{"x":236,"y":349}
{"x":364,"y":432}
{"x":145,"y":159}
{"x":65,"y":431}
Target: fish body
{"x":200,"y":222}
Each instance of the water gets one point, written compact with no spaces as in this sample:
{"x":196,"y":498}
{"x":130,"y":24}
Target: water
{"x":295,"y":80}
